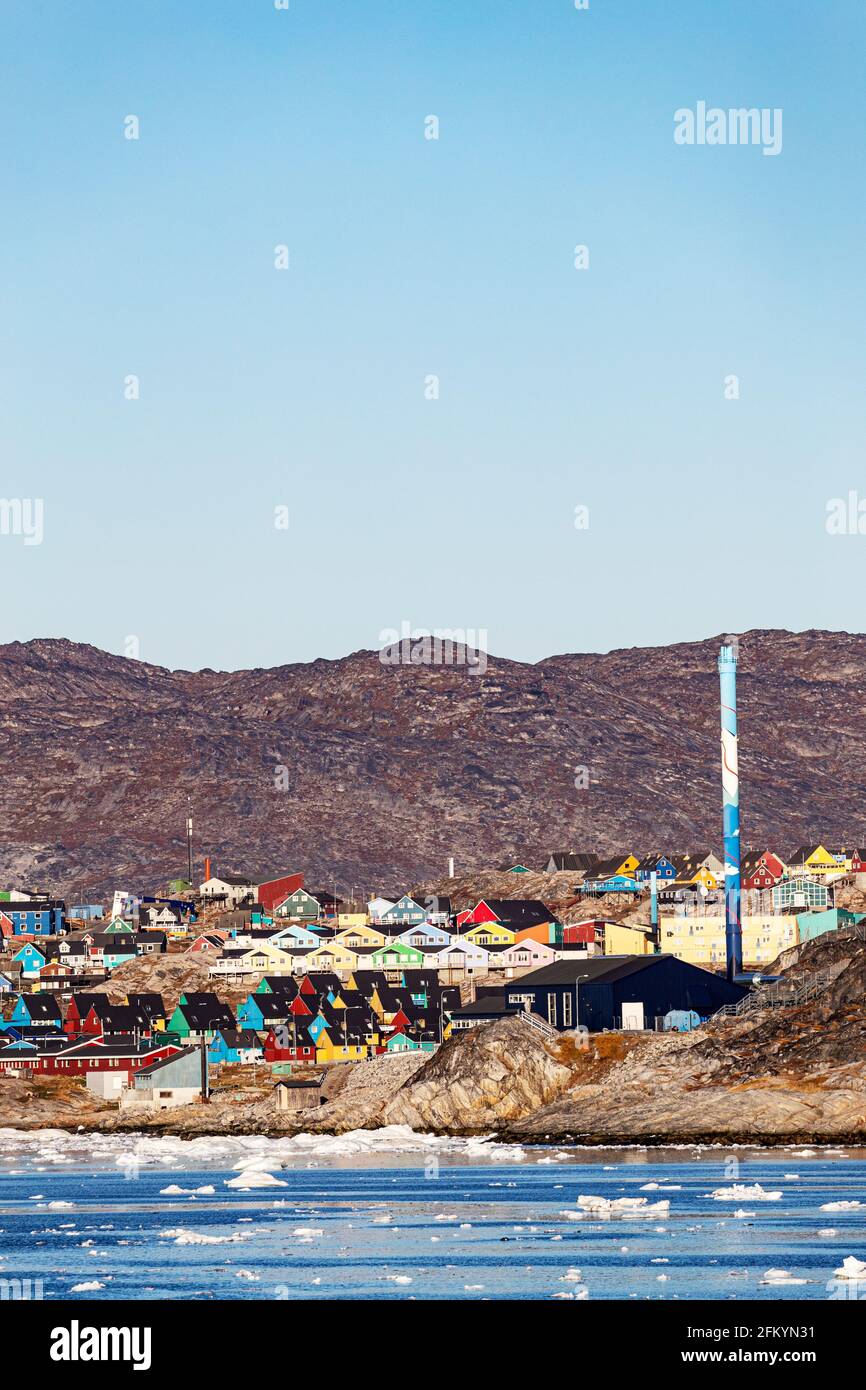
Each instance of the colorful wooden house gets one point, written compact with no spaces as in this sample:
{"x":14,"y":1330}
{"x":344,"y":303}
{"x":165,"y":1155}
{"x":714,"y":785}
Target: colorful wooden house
{"x":333,"y":957}
{"x":361,"y":935}
{"x":233,"y":1047}
{"x":31,"y":959}
{"x":426,"y":937}
{"x":661,"y":865}
{"x":814,"y":861}
{"x":489,"y":934}
{"x":36,"y":1011}
{"x":299,"y":906}
{"x":405,"y":912}
{"x":397,"y":955}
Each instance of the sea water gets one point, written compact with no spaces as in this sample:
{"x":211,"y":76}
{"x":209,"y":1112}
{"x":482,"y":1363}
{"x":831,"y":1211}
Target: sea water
{"x":392,"y":1214}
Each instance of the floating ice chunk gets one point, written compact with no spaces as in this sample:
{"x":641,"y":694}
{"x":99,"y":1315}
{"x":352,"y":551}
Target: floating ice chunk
{"x":573,"y":1274}
{"x":89,"y":1286}
{"x":851,"y":1268}
{"x":828,"y":1232}
{"x":174,"y":1191}
{"x":247,"y":1274}
{"x":309,"y":1231}
{"x":622,"y":1206}
{"x":843,"y":1206}
{"x":184,"y":1237}
{"x":781,"y":1276}
{"x":470,"y":1288}
{"x":397,"y":1278}
{"x":741,"y":1192}
{"x":743,"y":1214}
{"x":253,"y":1177}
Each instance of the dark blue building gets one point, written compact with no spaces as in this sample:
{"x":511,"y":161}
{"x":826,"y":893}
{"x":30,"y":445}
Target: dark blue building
{"x":599,"y":992}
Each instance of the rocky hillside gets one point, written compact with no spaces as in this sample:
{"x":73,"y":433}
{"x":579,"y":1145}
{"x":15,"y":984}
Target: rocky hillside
{"x":373,"y":774}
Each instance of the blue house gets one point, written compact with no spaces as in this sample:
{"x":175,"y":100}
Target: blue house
{"x":35,"y":918}
{"x":87,"y":912}
{"x":234,"y":1046}
{"x":36,"y":1011}
{"x":616,"y":883}
{"x":659,"y":864}
{"x":259,"y":1012}
{"x":30,"y":958}
{"x":405,"y":912}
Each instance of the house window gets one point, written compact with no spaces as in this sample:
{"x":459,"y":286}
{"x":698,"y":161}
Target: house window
{"x":551,"y":1009}
{"x":566,"y":1011}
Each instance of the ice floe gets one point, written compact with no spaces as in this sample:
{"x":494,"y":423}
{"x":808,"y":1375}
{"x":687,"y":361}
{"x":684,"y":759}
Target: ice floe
{"x":742,"y":1192}
{"x":851,"y":1268}
{"x":781,"y":1276}
{"x":180,"y":1236}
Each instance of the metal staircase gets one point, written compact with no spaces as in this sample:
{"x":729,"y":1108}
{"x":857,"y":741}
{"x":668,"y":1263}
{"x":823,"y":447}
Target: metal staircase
{"x":535,"y":1021}
{"x":781,"y":994}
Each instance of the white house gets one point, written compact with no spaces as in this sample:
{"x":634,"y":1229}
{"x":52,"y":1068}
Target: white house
{"x":231,"y":889}
{"x":463,"y":958}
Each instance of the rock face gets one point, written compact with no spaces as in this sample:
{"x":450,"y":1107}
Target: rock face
{"x":482,"y":1080}
{"x":374,"y":774}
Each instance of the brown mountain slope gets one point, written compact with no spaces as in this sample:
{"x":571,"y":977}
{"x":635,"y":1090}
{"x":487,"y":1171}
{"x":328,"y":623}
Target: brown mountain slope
{"x":389,"y":770}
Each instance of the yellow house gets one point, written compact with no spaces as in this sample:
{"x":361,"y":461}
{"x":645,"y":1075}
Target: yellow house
{"x":333,"y":956}
{"x":701,"y":940}
{"x":489,"y":934}
{"x":626,"y":941}
{"x":330,"y":1050}
{"x":269,"y":957}
{"x":360,"y":935}
{"x":814,"y":859}
{"x":351,"y":919}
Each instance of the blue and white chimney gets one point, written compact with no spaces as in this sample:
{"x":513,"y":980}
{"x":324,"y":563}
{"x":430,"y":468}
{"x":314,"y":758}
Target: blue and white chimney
{"x":731,"y":811}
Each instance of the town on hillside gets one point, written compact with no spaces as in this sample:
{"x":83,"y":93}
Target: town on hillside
{"x":147,"y":998}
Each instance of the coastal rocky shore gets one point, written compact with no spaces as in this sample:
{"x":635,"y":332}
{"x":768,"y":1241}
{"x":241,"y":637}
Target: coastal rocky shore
{"x":774,"y":1076}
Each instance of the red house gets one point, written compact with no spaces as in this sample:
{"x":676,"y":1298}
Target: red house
{"x":586,"y":933}
{"x":301,"y":1048}
{"x":83,"y":1056}
{"x":761,"y":869}
{"x":277,"y":889}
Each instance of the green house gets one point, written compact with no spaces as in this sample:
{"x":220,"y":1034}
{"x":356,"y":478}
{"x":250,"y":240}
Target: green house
{"x":812,"y":924}
{"x":300,"y":906}
{"x":397,"y":955}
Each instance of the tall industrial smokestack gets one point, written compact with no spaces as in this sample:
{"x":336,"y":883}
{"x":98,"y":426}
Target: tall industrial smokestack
{"x":731,"y":811}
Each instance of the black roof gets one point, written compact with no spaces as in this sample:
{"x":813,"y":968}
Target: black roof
{"x":567,"y":860}
{"x":491,"y":1007}
{"x":595,"y":968}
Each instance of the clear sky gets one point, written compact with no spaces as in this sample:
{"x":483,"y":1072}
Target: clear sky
{"x":411,"y":257}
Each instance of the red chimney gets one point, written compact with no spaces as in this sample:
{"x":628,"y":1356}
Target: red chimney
{"x":207,"y":867}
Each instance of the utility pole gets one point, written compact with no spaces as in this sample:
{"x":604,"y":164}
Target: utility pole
{"x":189,"y":840}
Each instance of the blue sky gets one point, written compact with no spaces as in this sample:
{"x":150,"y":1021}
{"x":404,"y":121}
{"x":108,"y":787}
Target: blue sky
{"x":412,"y":257}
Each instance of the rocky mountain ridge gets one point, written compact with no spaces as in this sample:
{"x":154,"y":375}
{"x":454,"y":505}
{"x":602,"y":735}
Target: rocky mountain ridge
{"x":369,"y":775}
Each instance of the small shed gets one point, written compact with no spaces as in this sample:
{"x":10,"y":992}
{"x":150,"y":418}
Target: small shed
{"x":295,"y":1093}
